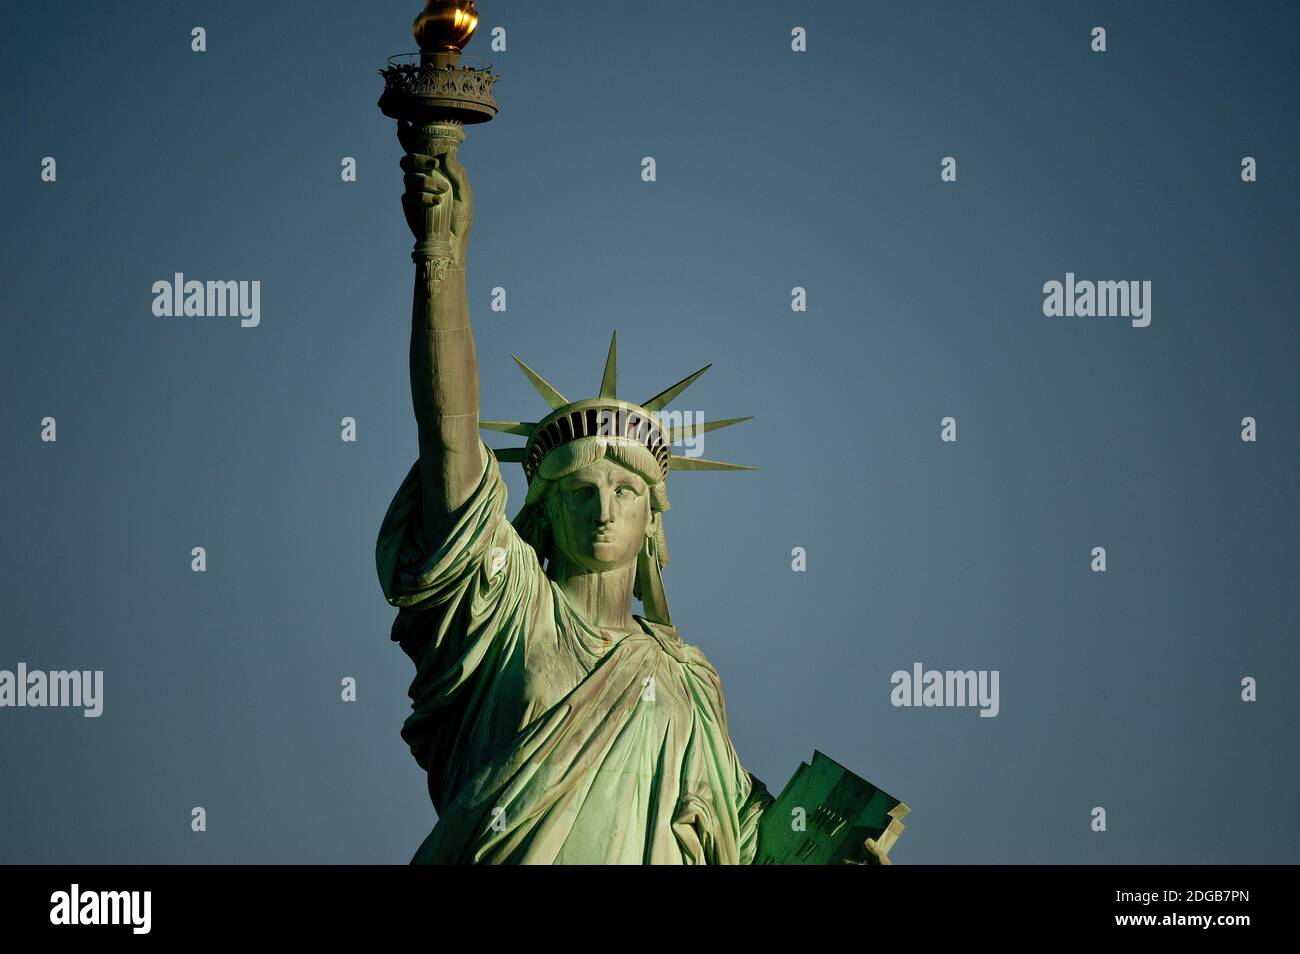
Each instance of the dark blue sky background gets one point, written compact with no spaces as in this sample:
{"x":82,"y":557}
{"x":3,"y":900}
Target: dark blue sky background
{"x":775,"y":169}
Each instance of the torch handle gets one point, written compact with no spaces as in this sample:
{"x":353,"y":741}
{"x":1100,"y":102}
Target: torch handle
{"x":433,"y":139}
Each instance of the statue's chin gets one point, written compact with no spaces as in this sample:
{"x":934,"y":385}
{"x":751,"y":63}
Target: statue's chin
{"x":603,"y":557}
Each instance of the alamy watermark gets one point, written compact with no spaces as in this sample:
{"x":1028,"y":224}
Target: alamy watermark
{"x":949,"y":687}
{"x":684,"y":428}
{"x":75,"y":907}
{"x":179,"y":298}
{"x":1104,"y":299}
{"x":35,"y":689}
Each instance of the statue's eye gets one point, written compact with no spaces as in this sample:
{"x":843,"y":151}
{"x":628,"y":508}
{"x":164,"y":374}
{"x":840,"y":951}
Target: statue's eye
{"x":578,"y":495}
{"x":626,"y":491}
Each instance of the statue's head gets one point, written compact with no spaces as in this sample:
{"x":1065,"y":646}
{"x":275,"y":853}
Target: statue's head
{"x":598,"y":503}
{"x":596,"y":472}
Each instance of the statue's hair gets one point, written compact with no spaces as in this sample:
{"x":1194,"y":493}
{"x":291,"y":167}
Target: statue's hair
{"x":573,"y":456}
{"x":585,"y":451}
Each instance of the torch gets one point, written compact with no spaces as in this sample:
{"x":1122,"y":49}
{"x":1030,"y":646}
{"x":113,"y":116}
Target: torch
{"x":434,"y":96}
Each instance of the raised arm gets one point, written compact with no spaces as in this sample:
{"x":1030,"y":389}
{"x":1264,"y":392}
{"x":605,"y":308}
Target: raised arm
{"x":439,"y":209}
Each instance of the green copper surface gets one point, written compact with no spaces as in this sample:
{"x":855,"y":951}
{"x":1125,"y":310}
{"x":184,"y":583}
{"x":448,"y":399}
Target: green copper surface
{"x":555,"y":725}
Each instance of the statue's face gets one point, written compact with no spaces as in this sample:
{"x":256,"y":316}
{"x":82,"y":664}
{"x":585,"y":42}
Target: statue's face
{"x":599,"y":515}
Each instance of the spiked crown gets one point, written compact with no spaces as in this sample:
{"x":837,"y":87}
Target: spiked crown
{"x":607,"y":416}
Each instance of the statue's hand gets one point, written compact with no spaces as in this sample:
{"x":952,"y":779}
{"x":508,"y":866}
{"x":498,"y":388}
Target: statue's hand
{"x":462,"y":213}
{"x":426,"y":187}
{"x":874,"y":855}
{"x":871,"y":855}
{"x":431,"y":181}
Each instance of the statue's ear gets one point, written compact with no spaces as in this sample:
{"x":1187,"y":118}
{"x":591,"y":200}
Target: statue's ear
{"x":652,"y":525}
{"x":648,"y":586}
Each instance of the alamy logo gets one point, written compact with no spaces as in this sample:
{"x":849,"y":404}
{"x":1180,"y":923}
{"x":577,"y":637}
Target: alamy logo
{"x":194,"y":299}
{"x":102,"y":907}
{"x":36,"y":689}
{"x":1105,"y":299}
{"x":951,"y":687}
{"x":686,"y":428}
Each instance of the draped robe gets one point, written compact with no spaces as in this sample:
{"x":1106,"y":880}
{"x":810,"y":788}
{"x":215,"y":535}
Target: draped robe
{"x":544,"y":741}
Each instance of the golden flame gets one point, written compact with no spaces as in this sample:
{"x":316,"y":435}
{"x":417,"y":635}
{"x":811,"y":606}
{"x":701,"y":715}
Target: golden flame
{"x":445,"y":26}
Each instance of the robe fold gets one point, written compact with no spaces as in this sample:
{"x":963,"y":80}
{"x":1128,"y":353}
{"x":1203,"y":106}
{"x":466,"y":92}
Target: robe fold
{"x":544,"y":741}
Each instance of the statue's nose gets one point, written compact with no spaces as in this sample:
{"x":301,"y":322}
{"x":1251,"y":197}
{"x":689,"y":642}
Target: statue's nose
{"x":606,"y":507}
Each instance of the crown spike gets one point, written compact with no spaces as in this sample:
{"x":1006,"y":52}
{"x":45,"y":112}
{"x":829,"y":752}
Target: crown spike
{"x":703,"y":463}
{"x":524,"y":428}
{"x":609,"y":380}
{"x":552,"y":397}
{"x":660,"y":400}
{"x":509,"y":455}
{"x":682,"y":430}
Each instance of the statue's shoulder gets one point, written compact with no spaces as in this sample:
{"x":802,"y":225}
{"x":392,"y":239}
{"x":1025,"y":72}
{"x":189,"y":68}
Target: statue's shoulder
{"x":670,"y":639}
{"x":665,"y":634}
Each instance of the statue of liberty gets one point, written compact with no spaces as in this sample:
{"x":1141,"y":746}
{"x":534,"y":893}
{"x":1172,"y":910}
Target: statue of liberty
{"x":555,"y":725}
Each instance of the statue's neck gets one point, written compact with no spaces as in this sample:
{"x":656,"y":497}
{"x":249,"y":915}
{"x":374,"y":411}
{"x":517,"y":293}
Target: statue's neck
{"x":604,"y":598}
